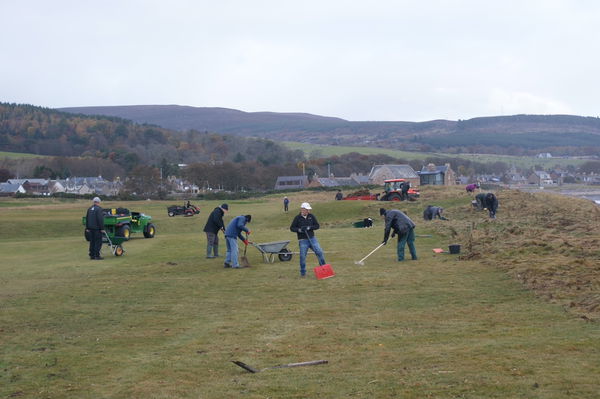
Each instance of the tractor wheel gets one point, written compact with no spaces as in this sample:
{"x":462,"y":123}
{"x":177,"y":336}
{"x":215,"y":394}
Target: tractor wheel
{"x":171,"y":213}
{"x":394,"y":197}
{"x":189,"y":213}
{"x":124,"y":231}
{"x":119,"y":251}
{"x":285,"y":257}
{"x":150,"y":231}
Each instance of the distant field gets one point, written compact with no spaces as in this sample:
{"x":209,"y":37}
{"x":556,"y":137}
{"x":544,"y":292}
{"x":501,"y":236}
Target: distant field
{"x":19,"y":155}
{"x":524,"y":162}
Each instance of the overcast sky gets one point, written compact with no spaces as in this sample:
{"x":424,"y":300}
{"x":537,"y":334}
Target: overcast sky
{"x":357,"y":60}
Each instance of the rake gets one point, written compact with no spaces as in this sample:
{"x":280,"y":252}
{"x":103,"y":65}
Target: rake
{"x":362,"y":261}
{"x":281,"y":366}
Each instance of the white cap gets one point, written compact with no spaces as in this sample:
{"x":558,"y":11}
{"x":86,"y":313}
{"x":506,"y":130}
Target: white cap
{"x":305,"y":205}
{"x":96,"y":199}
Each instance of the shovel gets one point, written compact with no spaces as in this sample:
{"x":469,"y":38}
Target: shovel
{"x":244,"y":260}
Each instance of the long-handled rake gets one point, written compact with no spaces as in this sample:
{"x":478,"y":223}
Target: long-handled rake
{"x":255,"y":370}
{"x":362,"y":261}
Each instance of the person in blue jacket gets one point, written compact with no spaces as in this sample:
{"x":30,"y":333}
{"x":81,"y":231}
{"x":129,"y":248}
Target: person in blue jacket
{"x":232,"y":233}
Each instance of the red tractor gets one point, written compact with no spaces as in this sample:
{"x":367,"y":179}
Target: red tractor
{"x":393,"y":191}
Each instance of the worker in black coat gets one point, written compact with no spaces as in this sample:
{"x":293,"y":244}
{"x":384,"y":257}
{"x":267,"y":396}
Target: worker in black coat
{"x":94,"y":228}
{"x":431,"y":212}
{"x":480,"y":201}
{"x":491,"y":203}
{"x":404,"y":227}
{"x":212,"y":227}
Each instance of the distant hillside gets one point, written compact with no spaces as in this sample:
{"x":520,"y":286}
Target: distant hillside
{"x":513,"y":135}
{"x":43,"y":131}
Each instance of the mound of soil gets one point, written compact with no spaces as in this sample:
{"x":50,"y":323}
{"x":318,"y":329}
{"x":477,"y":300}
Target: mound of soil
{"x":550,"y":242}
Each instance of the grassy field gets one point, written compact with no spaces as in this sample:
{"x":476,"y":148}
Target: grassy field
{"x":18,"y":155}
{"x":523,"y":162}
{"x":164,"y":322}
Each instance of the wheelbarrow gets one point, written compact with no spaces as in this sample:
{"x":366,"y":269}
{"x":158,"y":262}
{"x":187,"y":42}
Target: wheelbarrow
{"x":270,"y":249}
{"x":115,"y":244}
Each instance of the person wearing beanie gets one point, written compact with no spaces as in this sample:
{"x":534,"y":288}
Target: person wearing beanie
{"x":304,"y":225}
{"x":404,"y":227}
{"x":94,"y":229}
{"x":212,"y":227}
{"x":232,"y":233}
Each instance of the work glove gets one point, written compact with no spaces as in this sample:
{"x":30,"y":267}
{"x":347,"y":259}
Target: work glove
{"x":246,"y":242}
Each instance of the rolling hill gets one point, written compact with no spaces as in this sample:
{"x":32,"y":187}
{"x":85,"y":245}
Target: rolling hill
{"x":514,"y":135}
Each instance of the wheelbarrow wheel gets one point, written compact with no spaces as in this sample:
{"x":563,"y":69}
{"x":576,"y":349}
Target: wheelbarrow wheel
{"x":285,"y":257}
{"x":119,"y":251}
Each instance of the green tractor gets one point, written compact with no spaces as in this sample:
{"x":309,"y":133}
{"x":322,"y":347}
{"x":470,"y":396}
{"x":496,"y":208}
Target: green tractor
{"x":119,"y":223}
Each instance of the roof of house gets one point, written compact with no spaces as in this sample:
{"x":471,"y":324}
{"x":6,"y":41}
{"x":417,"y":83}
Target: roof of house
{"x":401,"y":171}
{"x":433,"y":169}
{"x":32,"y":181}
{"x":9,"y":188}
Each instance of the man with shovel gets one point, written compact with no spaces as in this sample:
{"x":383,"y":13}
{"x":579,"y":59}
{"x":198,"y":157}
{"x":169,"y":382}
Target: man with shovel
{"x":304,"y":225}
{"x":404,"y":227}
{"x":232,"y":233}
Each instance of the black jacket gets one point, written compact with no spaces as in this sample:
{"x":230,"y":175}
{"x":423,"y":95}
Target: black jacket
{"x":397,"y":220}
{"x":303,"y":226}
{"x":215,"y":221}
{"x":431,"y":212}
{"x":491,"y":202}
{"x":94,"y":219}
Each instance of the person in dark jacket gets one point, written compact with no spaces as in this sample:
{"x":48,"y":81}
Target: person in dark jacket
{"x":491,"y":203}
{"x":339,"y":196}
{"x":212,"y":227}
{"x":404,"y":191}
{"x":286,"y":204}
{"x":304,"y":225}
{"x":404,"y":227}
{"x":232,"y":233}
{"x":431,"y":212}
{"x":94,"y":227}
{"x":480,"y":201}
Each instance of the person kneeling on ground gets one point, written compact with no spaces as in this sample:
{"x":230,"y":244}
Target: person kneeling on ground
{"x":404,"y":227}
{"x":491,"y":203}
{"x":431,"y":212}
{"x":232,"y":233}
{"x":480,"y":201}
{"x":304,"y":225}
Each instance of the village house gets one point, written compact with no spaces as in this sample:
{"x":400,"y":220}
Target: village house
{"x":380,"y":173}
{"x":437,"y":175}
{"x":10,"y":189}
{"x":291,"y":182}
{"x":353,"y":180}
{"x":540,"y":178}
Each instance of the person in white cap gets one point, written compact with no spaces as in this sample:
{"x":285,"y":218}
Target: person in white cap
{"x":94,"y":228}
{"x":304,"y":225}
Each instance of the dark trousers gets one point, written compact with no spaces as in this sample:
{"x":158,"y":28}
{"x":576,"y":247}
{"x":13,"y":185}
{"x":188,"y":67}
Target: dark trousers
{"x":95,"y":243}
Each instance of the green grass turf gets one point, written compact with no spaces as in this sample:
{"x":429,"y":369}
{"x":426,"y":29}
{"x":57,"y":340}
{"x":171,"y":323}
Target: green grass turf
{"x":164,"y":322}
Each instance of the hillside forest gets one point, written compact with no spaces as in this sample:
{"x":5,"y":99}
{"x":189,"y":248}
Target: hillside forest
{"x":79,"y":145}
